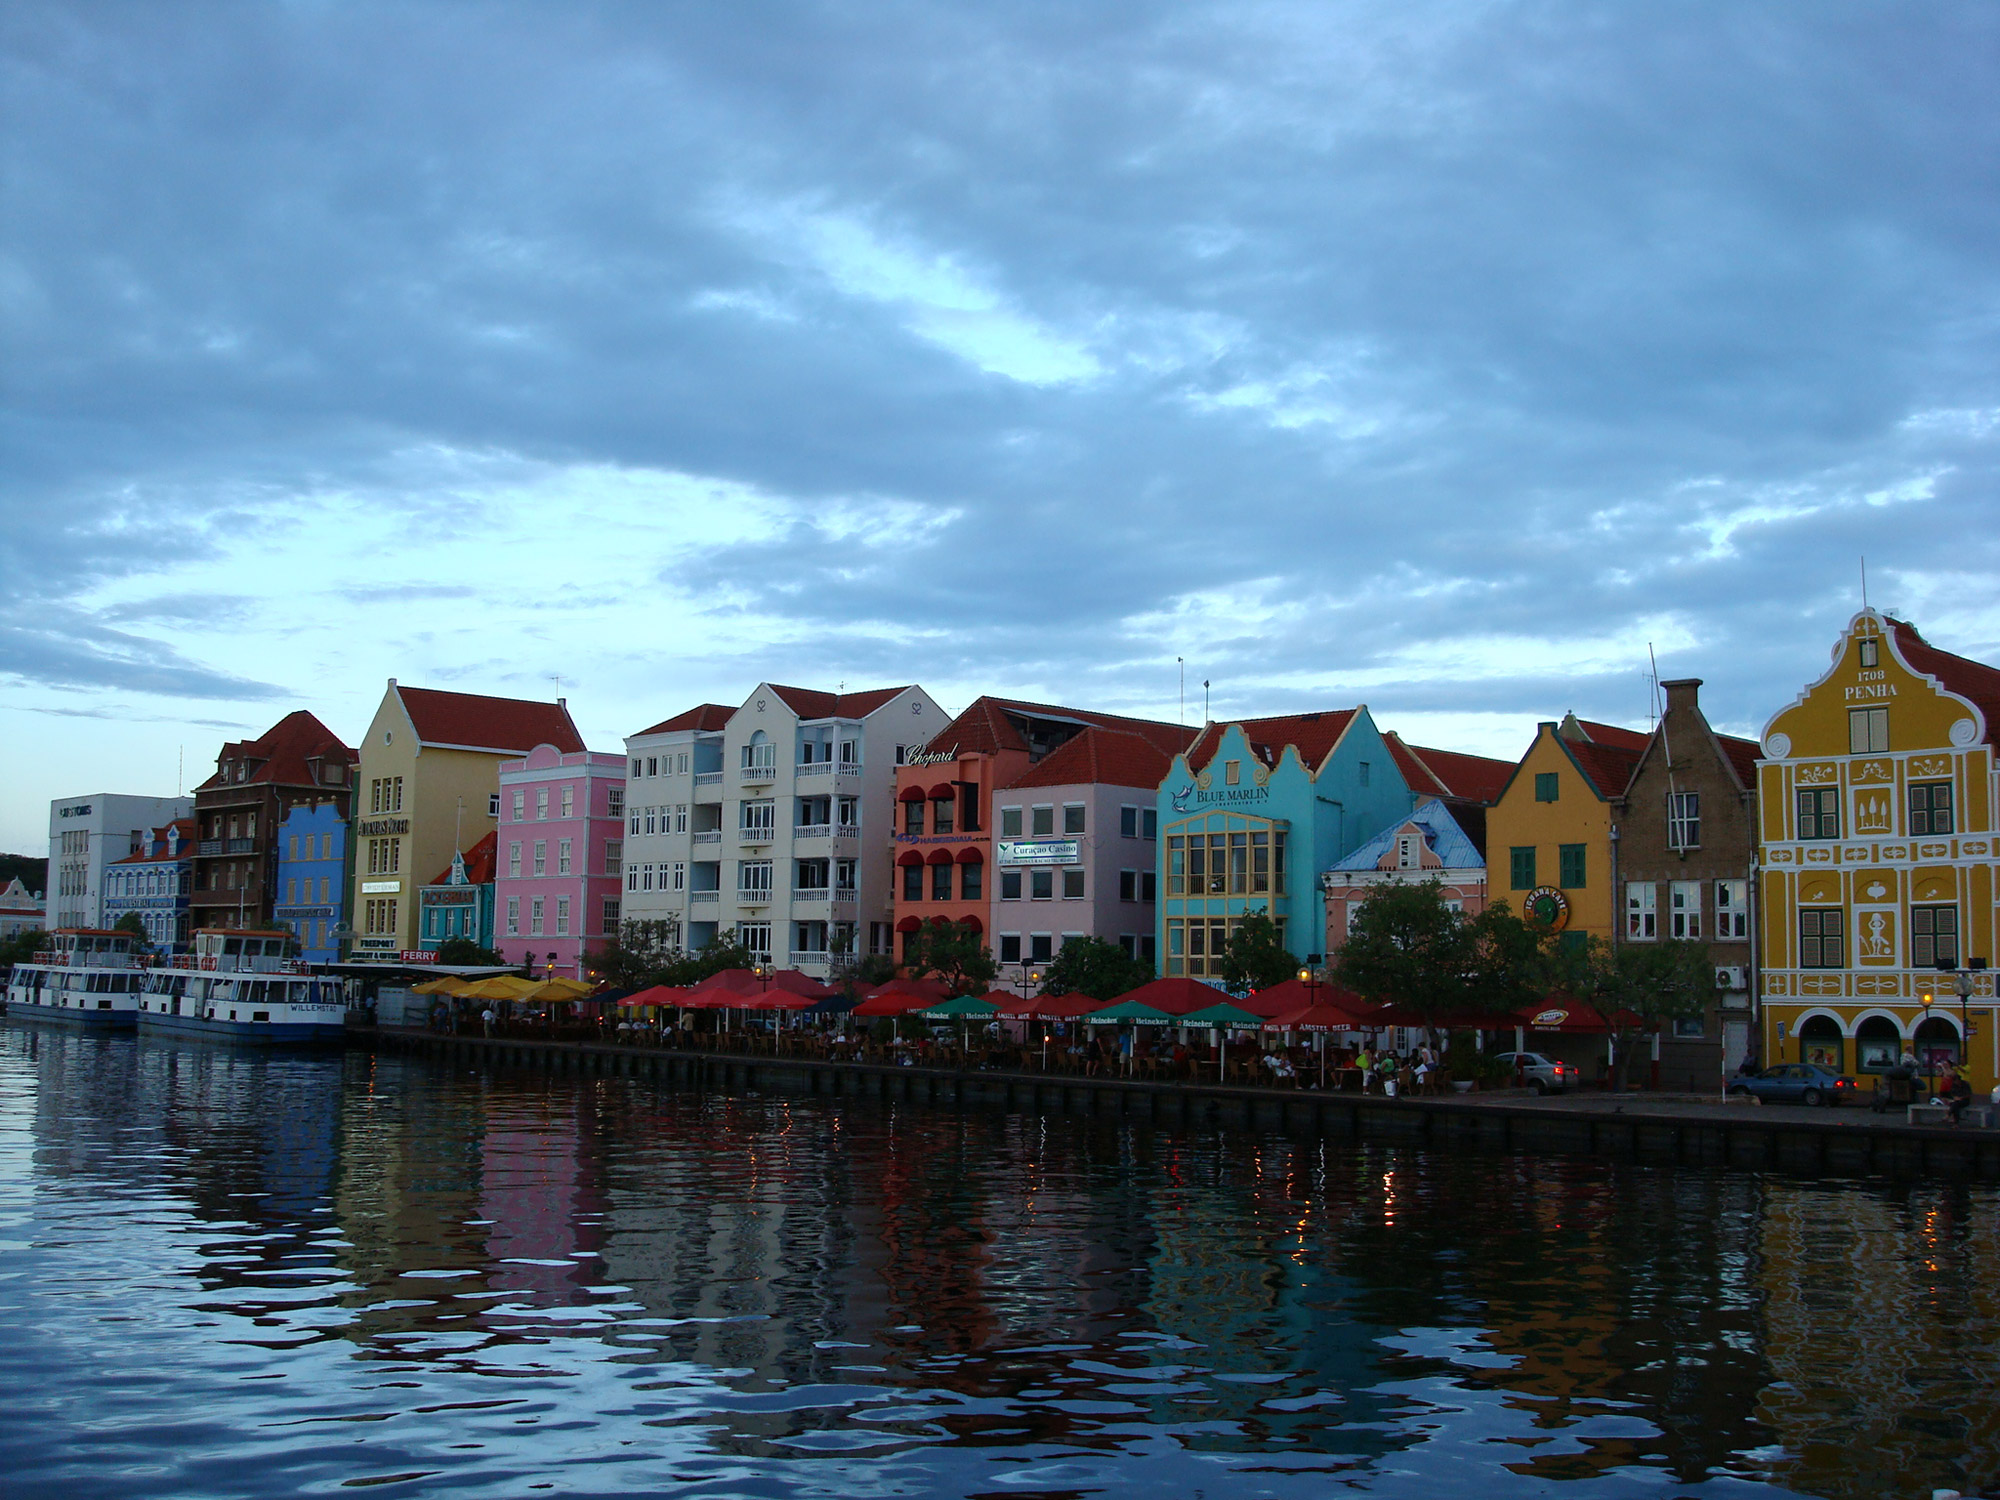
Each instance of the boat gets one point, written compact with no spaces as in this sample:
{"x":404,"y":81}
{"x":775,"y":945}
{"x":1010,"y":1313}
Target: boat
{"x":84,"y":977}
{"x":245,"y":987}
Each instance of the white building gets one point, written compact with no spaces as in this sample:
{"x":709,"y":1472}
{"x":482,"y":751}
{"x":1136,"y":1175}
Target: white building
{"x":88,"y":834}
{"x":772,"y":820}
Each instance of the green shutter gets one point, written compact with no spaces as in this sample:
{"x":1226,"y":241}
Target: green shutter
{"x":1523,"y":867}
{"x":1570,"y":866}
{"x":1547,"y":786}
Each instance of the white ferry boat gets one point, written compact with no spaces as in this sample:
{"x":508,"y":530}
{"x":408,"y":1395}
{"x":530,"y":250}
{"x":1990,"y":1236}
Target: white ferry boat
{"x":86,"y":977}
{"x":243,"y":987}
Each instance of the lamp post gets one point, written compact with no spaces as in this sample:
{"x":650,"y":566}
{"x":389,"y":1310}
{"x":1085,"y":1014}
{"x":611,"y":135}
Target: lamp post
{"x":1926,"y":997}
{"x":1312,"y":975}
{"x":1963,"y":981}
{"x":762,"y":973}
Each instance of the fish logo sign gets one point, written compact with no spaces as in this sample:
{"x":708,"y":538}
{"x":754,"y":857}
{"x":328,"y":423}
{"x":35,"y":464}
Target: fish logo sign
{"x":1181,"y":797}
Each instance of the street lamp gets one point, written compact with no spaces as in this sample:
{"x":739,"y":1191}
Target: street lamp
{"x":1311,"y":975}
{"x":1963,"y":980}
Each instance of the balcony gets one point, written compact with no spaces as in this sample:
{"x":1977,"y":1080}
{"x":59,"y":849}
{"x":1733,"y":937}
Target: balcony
{"x":241,"y":846}
{"x":816,"y":768}
{"x":708,"y":778}
{"x":698,"y":897}
{"x":812,"y":830}
{"x":708,"y":836}
{"x":752,"y":897}
{"x":748,"y":774}
{"x":811,"y":893}
{"x":816,"y":958}
{"x":847,"y":830}
{"x":757,"y":834}
{"x":209,"y":846}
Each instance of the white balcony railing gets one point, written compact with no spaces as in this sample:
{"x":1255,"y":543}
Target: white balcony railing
{"x":756,"y":773}
{"x":708,"y":778}
{"x":752,"y":897}
{"x":708,"y":836}
{"x":816,"y":768}
{"x":815,"y":958}
{"x":812,"y":830}
{"x":757,"y":834}
{"x":698,"y":897}
{"x":811,"y":893}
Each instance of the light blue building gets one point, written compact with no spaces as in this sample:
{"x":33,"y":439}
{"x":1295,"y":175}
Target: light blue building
{"x":312,"y":878}
{"x":460,"y":902}
{"x":1251,"y":814}
{"x":154,"y":881}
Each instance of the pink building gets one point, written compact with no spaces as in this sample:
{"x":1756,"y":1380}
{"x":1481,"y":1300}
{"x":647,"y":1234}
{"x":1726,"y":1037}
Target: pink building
{"x":561,"y":857}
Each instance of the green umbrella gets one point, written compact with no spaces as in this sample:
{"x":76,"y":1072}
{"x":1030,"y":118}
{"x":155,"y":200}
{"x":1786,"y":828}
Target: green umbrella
{"x":1223,"y":1014}
{"x":1128,"y":1012}
{"x":959,"y":1008}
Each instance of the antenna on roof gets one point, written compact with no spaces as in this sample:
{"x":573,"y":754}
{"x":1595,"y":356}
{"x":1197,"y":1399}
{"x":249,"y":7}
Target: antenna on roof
{"x":1183,"y":666}
{"x":1205,"y":715}
{"x":1864,"y":581}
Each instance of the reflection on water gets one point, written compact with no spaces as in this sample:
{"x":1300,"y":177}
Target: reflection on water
{"x":236,"y":1275}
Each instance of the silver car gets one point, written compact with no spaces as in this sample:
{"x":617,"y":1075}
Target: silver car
{"x":1547,"y":1077}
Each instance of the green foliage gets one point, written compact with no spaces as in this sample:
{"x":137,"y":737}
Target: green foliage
{"x":644,"y":954}
{"x":719,"y":953}
{"x":135,"y":924}
{"x":1406,"y":947}
{"x":1091,"y":966}
{"x":954,"y":955}
{"x":462,"y":952}
{"x":1255,"y":958}
{"x":1637,"y":988}
{"x":1511,"y":957}
{"x":21,"y":948}
{"x":874,"y":969}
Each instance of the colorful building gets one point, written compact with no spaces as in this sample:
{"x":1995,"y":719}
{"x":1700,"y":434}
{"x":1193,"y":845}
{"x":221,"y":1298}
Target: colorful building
{"x":562,"y":841}
{"x":428,"y":786}
{"x":313,"y":875}
{"x":1429,"y":844}
{"x":1877,"y":857}
{"x":241,"y":807}
{"x":155,"y":882}
{"x":460,"y":902}
{"x":1687,"y":839}
{"x":1252,"y":812}
{"x":87,"y":835}
{"x":1548,"y":834}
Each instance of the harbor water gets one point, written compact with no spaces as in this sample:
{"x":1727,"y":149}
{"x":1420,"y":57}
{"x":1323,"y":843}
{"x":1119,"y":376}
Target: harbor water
{"x":226,"y":1273}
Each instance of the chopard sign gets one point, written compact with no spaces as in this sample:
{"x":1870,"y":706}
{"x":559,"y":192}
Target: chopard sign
{"x":932,"y":757}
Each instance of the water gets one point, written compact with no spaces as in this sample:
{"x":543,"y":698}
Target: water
{"x":232,"y":1275}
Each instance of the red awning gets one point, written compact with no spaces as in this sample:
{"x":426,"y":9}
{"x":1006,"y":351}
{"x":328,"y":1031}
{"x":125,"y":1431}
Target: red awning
{"x":909,"y":857}
{"x":909,"y":924}
{"x":911,"y":794}
{"x":939,"y":857}
{"x":940,"y":921}
{"x":970,"y":855}
{"x":972,"y":924}
{"x":943,"y":791}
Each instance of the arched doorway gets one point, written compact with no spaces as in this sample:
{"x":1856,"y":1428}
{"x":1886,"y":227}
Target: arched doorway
{"x":1937,"y":1044}
{"x":1820,"y":1042}
{"x":1877,"y":1045}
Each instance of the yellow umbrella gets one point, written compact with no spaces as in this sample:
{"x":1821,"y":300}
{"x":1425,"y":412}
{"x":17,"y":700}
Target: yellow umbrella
{"x":555,"y":989}
{"x":448,"y":985}
{"x":499,"y":987}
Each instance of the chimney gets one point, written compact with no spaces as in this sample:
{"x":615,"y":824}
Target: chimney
{"x":1683,"y":694}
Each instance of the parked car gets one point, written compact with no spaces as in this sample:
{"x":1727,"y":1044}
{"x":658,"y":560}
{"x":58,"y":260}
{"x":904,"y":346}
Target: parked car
{"x":1797,"y":1083}
{"x":1547,"y":1077}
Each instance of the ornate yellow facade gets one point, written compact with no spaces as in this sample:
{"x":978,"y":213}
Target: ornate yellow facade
{"x":1877,"y":857}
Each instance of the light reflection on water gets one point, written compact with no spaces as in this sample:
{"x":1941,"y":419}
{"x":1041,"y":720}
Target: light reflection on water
{"x":234,"y":1275}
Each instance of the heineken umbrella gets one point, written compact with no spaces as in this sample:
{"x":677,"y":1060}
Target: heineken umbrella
{"x":1219,"y":1018}
{"x":963,"y":1007}
{"x":1128,"y":1013}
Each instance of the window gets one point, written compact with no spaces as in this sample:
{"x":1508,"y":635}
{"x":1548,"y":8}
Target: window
{"x":1148,"y":886}
{"x":1684,"y":820}
{"x":941,"y":816}
{"x":756,"y":936}
{"x":632,"y":876}
{"x":614,"y":801}
{"x":541,"y":856}
{"x":1642,"y":911}
{"x":1548,"y":786}
{"x":1072,"y":885}
{"x":940,"y":882}
{"x":562,"y":857}
{"x":847,"y":812}
{"x":679,"y":876}
{"x":634,"y":822}
{"x":1732,"y":909}
{"x":1690,"y":1028}
{"x":1042,"y":821}
{"x":850,"y":752}
{"x":1010,"y":947}
{"x":1128,"y":822}
{"x":1819,"y":812}
{"x":493,"y":805}
{"x":971,"y":882}
{"x":652,"y":765}
{"x":646,"y":876}
{"x":759,"y":817}
{"x":913,"y":818}
{"x":1820,"y":932}
{"x":651,"y":815}
{"x":514,"y":861}
{"x":292,"y":847}
{"x":569,"y":802}
{"x":291,"y":891}
{"x":614,"y":856}
{"x":541,"y":804}
{"x":1041,"y":947}
{"x":1521,"y":867}
{"x":1868,"y":651}
{"x":326,"y":846}
{"x":913,"y":882}
{"x":1684,"y":909}
{"x":535,"y":917}
{"x":1010,"y":822}
{"x":1569,"y":866}
{"x":638,"y":767}
{"x":1149,"y":822}
{"x":1042,"y":885}
{"x":1010,"y":885}
{"x":1128,"y":885}
{"x":1867,"y":731}
{"x":562,"y":916}
{"x":753,"y":877}
{"x":1930,"y":807}
{"x":611,"y":910}
{"x":1361,"y":773}
{"x":1933,"y":936}
{"x":1073,"y":817}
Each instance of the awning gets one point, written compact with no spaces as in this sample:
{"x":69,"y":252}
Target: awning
{"x":972,"y":924}
{"x":909,"y":924}
{"x":911,"y":794}
{"x":1129,"y":1012}
{"x":938,"y":857}
{"x":943,"y":791}
{"x":940,"y":921}
{"x":970,"y":855}
{"x":909,"y":857}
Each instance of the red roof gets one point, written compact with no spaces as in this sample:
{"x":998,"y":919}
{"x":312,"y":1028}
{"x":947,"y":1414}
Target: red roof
{"x":1959,"y":674}
{"x":1611,"y":734}
{"x":984,"y":727}
{"x":1449,"y":773}
{"x":1314,"y":735}
{"x":704,"y":716}
{"x":1742,"y":756}
{"x":811,"y":703}
{"x":280,"y":753}
{"x":190,"y":832}
{"x":1608,"y":768}
{"x":1107,"y":757}
{"x":482,"y":862}
{"x":513,"y":725}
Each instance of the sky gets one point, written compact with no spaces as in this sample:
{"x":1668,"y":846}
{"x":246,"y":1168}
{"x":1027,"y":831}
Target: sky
{"x":1444,"y":357}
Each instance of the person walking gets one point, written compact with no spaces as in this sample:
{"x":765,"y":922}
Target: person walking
{"x":486,"y":1019}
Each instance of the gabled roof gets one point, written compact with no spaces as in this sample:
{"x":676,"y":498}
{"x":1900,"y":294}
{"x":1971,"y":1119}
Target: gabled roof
{"x":1742,"y":756}
{"x":811,"y":703}
{"x":482,"y":862}
{"x":1314,"y":734}
{"x":189,"y":833}
{"x":1449,"y":773}
{"x":1608,"y":768}
{"x":471,"y":721}
{"x":1441,"y":832}
{"x":1958,"y":674}
{"x":703,"y":718}
{"x":984,"y":727}
{"x":1603,"y":734}
{"x":1107,"y":757}
{"x":281,"y":753}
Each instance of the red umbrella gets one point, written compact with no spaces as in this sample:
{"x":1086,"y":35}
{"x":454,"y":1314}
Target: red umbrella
{"x":659,"y":994}
{"x":1294,"y":993}
{"x":1177,"y":995}
{"x":1317,"y":1018}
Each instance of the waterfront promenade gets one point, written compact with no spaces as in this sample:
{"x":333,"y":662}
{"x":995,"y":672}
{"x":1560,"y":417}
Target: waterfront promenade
{"x":1667,"y":1128}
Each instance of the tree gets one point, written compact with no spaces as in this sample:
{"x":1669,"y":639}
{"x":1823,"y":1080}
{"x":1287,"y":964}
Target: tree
{"x":21,"y":948}
{"x":638,"y":955}
{"x":1090,"y":966}
{"x":462,"y":952}
{"x":1636,"y":988}
{"x":135,"y":924}
{"x":1405,"y":947}
{"x":954,"y":955}
{"x":1511,"y":960}
{"x":723,"y":951}
{"x":1255,"y":958}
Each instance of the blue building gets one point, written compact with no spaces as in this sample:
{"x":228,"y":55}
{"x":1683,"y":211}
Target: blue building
{"x":459,"y":903}
{"x":312,"y":878}
{"x":155,"y":881}
{"x":1251,"y":813}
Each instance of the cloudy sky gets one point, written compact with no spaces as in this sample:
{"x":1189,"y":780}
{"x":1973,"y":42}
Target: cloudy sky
{"x":1437,"y":356}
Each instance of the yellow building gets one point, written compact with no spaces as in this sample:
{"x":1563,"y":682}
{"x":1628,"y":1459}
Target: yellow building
{"x":429,"y":786}
{"x":1877,"y":857}
{"x":1548,"y":836}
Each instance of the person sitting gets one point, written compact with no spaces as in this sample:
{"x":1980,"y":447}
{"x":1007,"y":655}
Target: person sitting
{"x":1954,"y":1093}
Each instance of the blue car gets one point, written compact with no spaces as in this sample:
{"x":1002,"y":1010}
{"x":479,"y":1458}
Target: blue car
{"x":1796,"y":1083}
